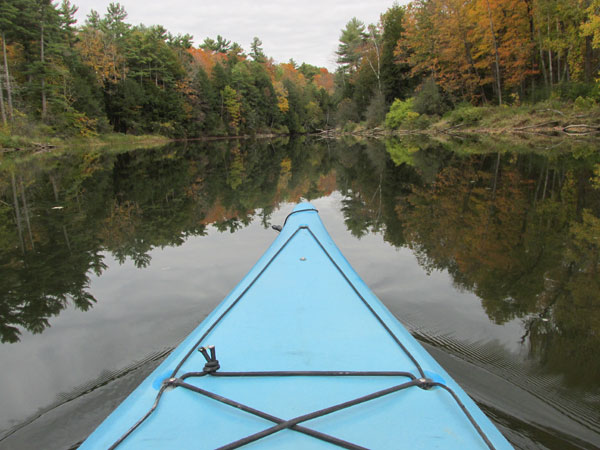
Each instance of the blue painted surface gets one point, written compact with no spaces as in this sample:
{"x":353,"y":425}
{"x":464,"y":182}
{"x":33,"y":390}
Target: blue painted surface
{"x":296,"y":311}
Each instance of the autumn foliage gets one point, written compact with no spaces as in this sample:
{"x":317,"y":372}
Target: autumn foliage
{"x":478,"y":49}
{"x":206,"y":59}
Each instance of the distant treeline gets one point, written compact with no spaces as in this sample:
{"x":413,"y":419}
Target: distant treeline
{"x":108,"y":75}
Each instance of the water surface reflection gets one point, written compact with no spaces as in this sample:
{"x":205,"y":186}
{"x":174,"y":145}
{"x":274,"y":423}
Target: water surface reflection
{"x":486,"y":250}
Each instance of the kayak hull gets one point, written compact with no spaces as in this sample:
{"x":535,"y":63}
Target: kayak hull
{"x":300,"y":343}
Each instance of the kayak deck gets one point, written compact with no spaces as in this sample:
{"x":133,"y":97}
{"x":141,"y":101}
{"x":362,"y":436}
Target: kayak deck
{"x":307,"y":358}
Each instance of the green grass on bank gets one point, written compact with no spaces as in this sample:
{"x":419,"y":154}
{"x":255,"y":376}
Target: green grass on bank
{"x":119,"y":139}
{"x":10,"y":142}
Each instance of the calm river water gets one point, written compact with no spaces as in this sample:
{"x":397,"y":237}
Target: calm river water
{"x":487,"y":251}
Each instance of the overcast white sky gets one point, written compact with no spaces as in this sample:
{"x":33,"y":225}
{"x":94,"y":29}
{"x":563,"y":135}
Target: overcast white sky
{"x":307,"y":31}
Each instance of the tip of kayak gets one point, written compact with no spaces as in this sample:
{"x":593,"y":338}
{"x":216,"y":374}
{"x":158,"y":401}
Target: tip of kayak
{"x":299,"y":208}
{"x":304,"y":206}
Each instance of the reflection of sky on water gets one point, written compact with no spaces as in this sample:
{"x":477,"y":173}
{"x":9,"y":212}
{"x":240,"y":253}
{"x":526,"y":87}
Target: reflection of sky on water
{"x":138,"y":312}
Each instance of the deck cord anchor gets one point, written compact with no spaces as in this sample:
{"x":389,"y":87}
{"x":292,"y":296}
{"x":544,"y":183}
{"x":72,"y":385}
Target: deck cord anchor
{"x":212,"y":363}
{"x":425,"y":383}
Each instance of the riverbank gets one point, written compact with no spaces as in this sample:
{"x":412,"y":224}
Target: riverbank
{"x":581,"y":117}
{"x":26,"y":144}
{"x":552,"y":118}
{"x":14,"y":143}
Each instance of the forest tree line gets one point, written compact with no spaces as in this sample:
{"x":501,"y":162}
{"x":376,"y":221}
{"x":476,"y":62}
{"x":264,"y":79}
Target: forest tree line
{"x":429,"y":56}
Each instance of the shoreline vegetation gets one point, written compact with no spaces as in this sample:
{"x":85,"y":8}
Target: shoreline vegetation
{"x":545,"y":118}
{"x":548,"y":119}
{"x":430,"y":67}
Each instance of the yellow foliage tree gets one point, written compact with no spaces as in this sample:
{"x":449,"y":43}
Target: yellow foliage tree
{"x":102,"y":55}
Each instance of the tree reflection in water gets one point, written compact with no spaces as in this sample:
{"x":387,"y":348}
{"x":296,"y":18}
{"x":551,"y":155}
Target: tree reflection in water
{"x":520,"y":228}
{"x":59,"y":214}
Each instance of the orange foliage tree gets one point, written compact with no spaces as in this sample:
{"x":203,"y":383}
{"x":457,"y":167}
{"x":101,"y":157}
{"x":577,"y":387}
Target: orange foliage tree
{"x":324,"y":80}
